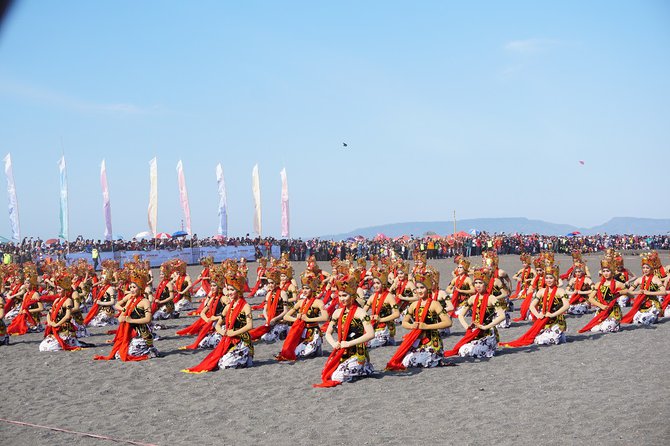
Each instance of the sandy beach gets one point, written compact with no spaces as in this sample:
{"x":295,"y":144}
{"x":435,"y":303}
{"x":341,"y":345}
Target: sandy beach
{"x":595,"y":389}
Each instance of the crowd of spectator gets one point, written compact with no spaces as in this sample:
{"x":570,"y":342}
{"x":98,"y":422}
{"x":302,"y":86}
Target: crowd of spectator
{"x":435,"y":247}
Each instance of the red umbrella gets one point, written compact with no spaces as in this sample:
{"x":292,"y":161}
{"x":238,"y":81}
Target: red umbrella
{"x":402,"y":238}
{"x":380,"y":237}
{"x":163,"y":235}
{"x":51,"y":241}
{"x":462,"y":234}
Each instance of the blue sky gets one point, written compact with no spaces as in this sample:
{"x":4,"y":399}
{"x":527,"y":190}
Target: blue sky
{"x":485,"y":108}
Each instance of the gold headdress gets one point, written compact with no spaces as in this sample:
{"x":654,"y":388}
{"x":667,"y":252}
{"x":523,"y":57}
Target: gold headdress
{"x":64,"y":280}
{"x":402,"y":266}
{"x":234,"y":280}
{"x":646,"y":259}
{"x":551,"y":270}
{"x":349,"y":286}
{"x":525,"y":257}
{"x":465,"y":263}
{"x":419,"y":256}
{"x":273,"y":274}
{"x":310,"y":280}
{"x":608,"y":263}
{"x":483,"y":274}
{"x":139,"y":277}
{"x":207,"y":261}
{"x":382,"y":274}
{"x":30,"y":272}
{"x":218,"y":275}
{"x":427,"y":278}
{"x":576,"y":255}
{"x":263,"y":262}
{"x":287,"y":270}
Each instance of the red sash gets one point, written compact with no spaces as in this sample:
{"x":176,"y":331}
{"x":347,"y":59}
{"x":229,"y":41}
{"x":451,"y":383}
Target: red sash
{"x":179,"y":282}
{"x":271,"y":312}
{"x":158,"y":294}
{"x":522,"y":282}
{"x":259,"y":273}
{"x":456,"y":296}
{"x":335,"y":357}
{"x":123,"y":337}
{"x":203,"y":328}
{"x":294,"y":336}
{"x":395,"y":364}
{"x":95,"y":307}
{"x":528,"y":337}
{"x":639,"y":300}
{"x":211,"y":361}
{"x":567,"y":273}
{"x":19,"y":325}
{"x":470,"y":333}
{"x":603,"y":314}
{"x":49,"y":330}
{"x":377,"y":304}
{"x":576,"y":297}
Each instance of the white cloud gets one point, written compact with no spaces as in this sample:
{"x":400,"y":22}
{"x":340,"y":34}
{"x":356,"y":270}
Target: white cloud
{"x":52,"y":98}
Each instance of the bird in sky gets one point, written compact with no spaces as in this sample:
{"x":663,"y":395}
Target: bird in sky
{"x":344,"y":144}
{"x":581,"y":162}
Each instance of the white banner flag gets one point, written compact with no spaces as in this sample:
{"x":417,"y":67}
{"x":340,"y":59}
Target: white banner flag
{"x":256,"y":189}
{"x":153,"y":196}
{"x":64,"y":214}
{"x":13,"y":203}
{"x":284,"y":205}
{"x":106,"y":205}
{"x":223,"y":205}
{"x":183,"y":196}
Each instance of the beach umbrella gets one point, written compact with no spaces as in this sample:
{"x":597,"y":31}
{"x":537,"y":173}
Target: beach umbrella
{"x":434,"y":237}
{"x":380,"y":237}
{"x":179,"y":234}
{"x":51,"y":241}
{"x":402,"y":238}
{"x":462,"y":234}
{"x":474,"y":232}
{"x":359,"y":238}
{"x":219,"y":237}
{"x":163,"y":236}
{"x":143,"y":235}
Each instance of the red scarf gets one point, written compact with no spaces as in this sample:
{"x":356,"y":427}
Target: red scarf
{"x":522,"y":282}
{"x":271,"y":311}
{"x":567,"y":273}
{"x":294,"y":336}
{"x":19,"y":325}
{"x":158,"y":294}
{"x":178,"y":283}
{"x":528,"y":337}
{"x":200,"y":326}
{"x":211,"y":361}
{"x":639,"y":300}
{"x":576,"y":297}
{"x":395,"y":364}
{"x":377,"y":304}
{"x":333,"y":361}
{"x":123,"y":336}
{"x":95,"y":307}
{"x":456,"y":296}
{"x":478,"y":313}
{"x":55,"y":309}
{"x":603,"y":314}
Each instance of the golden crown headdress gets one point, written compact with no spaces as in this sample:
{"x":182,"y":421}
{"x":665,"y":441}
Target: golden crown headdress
{"x":608,"y":263}
{"x":576,"y":255}
{"x":525,"y":257}
{"x":381,"y":274}
{"x":348,"y":285}
{"x":427,"y":278}
{"x":483,"y":274}
{"x":551,"y":270}
{"x":234,"y":280}
{"x":310,"y":280}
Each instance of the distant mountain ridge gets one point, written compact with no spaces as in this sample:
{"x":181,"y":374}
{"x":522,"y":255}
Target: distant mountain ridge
{"x":617,"y":225}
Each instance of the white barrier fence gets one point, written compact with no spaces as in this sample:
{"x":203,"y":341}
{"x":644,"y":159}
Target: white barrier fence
{"x":191,"y":256}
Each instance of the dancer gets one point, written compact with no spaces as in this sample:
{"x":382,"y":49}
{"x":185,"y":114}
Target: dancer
{"x":304,"y":337}
{"x":349,"y":358}
{"x":646,"y":306}
{"x":276,"y":307}
{"x":162,"y":306}
{"x":60,"y":333}
{"x":549,"y":326}
{"x":135,"y":318}
{"x":524,"y":277}
{"x":481,"y":335}
{"x":383,"y":309}
{"x":4,"y":337}
{"x":182,"y":286}
{"x":461,"y":287}
{"x":235,"y":349}
{"x":28,"y":319}
{"x":605,"y":297}
{"x":102,"y":312}
{"x":422,"y":346}
{"x":581,"y":286}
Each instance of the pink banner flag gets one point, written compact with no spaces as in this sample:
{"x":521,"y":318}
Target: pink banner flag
{"x":106,"y":205}
{"x":284,"y":205}
{"x":183,"y":197}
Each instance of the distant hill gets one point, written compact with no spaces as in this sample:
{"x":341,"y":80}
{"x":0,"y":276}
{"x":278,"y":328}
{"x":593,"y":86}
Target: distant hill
{"x":617,"y":225}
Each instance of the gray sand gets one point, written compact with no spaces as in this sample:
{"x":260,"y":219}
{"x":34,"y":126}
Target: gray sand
{"x":596,"y":389}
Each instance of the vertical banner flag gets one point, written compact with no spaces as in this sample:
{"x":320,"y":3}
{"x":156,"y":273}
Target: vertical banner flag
{"x":153,"y":196}
{"x":63,"y":199}
{"x":106,"y":206}
{"x":256,"y":189}
{"x":223,"y":205}
{"x":284,"y":204}
{"x":183,"y":196}
{"x":13,"y":203}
